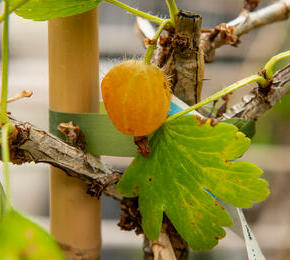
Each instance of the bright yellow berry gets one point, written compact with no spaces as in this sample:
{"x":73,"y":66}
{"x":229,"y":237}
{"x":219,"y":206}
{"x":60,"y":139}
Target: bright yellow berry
{"x":136,"y":96}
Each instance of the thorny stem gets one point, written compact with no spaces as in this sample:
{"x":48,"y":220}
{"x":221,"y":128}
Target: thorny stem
{"x":5,"y":59}
{"x":173,"y":10}
{"x":151,"y":48}
{"x":271,"y":63}
{"x":5,"y":158}
{"x":227,"y":90}
{"x":136,"y":12}
{"x":12,"y":9}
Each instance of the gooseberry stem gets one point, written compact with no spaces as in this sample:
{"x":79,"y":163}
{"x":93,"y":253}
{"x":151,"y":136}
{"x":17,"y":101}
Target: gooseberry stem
{"x":227,"y":90}
{"x":5,"y":59}
{"x":5,"y":158}
{"x":271,"y":63}
{"x":136,"y":12}
{"x":151,"y":48}
{"x":173,"y":10}
{"x":3,"y":113}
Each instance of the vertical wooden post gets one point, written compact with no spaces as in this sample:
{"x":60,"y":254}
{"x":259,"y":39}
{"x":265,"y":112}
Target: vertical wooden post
{"x":73,"y":87}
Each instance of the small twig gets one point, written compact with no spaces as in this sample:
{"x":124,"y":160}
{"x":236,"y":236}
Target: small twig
{"x":247,"y":21}
{"x":153,"y":42}
{"x":23,"y":94}
{"x":144,"y":29}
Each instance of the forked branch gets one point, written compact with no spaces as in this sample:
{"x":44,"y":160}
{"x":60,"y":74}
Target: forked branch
{"x":230,"y":32}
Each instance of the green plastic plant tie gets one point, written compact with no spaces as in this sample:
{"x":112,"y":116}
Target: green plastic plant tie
{"x":151,"y":48}
{"x":136,"y":12}
{"x":12,"y":9}
{"x":271,"y":63}
{"x":173,"y":10}
{"x":5,"y":60}
{"x":225,"y":91}
{"x":5,"y":158}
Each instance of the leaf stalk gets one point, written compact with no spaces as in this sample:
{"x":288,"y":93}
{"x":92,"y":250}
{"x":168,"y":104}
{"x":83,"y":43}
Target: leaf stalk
{"x":271,"y":63}
{"x":151,"y":48}
{"x":5,"y":60}
{"x":6,"y":158}
{"x":173,"y":10}
{"x":136,"y":12}
{"x":225,"y":91}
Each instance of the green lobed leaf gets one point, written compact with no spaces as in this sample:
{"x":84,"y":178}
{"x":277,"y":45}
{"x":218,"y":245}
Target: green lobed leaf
{"x":187,"y":158}
{"x":41,"y":10}
{"x":248,"y":127}
{"x":22,"y":239}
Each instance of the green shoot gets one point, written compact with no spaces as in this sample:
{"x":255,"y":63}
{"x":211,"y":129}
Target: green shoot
{"x":5,"y":59}
{"x":5,"y":158}
{"x":173,"y":10}
{"x":3,"y":113}
{"x":136,"y":11}
{"x":271,"y":63}
{"x":151,"y":48}
{"x":225,"y":91}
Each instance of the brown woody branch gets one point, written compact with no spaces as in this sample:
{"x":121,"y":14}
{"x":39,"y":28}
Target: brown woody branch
{"x":229,"y":33}
{"x":31,"y":144}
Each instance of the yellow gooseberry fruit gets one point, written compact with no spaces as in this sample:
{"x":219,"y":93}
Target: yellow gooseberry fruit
{"x":136,"y":96}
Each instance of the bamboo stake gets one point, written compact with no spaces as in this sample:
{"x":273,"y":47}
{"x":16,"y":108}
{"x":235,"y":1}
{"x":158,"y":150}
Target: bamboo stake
{"x":73,"y":87}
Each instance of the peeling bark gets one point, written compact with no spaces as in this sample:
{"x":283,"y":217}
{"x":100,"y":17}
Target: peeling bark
{"x":188,"y":61}
{"x":31,"y":144}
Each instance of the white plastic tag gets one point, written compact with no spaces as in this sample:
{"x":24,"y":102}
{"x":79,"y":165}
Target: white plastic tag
{"x":254,"y":251}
